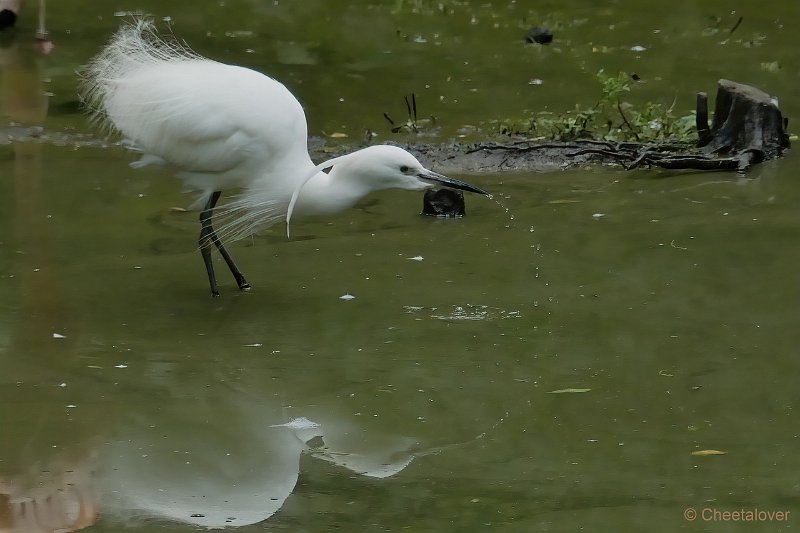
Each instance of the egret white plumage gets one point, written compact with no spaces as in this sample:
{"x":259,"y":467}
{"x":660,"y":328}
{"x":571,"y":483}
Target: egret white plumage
{"x":225,"y":126}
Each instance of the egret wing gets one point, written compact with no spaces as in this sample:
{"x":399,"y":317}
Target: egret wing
{"x":207,"y":117}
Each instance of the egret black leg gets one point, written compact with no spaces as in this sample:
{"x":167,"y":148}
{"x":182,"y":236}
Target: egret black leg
{"x":207,"y":236}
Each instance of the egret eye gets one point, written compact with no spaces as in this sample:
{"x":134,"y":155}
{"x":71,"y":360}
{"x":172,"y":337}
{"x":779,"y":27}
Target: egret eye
{"x":404,"y":169}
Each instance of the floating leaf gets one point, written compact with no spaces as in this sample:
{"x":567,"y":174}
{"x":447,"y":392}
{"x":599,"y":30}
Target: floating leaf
{"x":298,"y":423}
{"x":567,"y":391}
{"x":772,"y":66}
{"x":703,"y":453}
{"x":564,"y":201}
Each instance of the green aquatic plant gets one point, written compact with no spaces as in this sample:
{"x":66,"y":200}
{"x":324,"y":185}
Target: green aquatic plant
{"x":413,"y":124}
{"x":611,"y":118}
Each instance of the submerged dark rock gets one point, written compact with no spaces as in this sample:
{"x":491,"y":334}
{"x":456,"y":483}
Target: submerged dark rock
{"x":443,"y":203}
{"x":540,"y":35}
{"x":7,"y":18}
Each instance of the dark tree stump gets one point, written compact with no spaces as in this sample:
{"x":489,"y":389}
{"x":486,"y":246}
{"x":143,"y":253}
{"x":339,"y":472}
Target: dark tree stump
{"x":747,"y":122}
{"x":701,"y":120}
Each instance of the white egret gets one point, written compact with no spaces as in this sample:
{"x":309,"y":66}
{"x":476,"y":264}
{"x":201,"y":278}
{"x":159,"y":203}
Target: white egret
{"x":224,"y":126}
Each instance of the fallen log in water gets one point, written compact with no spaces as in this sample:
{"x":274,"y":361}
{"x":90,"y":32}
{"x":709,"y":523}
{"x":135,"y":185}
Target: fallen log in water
{"x":747,"y":128}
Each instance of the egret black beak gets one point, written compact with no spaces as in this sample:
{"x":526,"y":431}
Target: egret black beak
{"x":450,"y":183}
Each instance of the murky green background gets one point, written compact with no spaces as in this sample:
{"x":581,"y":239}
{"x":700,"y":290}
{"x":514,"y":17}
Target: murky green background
{"x":424,"y":403}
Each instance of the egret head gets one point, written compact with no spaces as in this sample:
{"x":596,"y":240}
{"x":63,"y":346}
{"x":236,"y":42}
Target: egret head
{"x":389,"y":167}
{"x":379,"y":167}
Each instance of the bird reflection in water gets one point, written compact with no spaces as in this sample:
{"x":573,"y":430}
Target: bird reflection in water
{"x":224,"y":461}
{"x":190,"y":471}
{"x":58,"y":500}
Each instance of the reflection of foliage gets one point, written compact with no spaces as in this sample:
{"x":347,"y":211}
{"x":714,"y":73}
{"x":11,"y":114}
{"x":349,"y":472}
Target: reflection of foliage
{"x":425,"y":6}
{"x":611,"y":118}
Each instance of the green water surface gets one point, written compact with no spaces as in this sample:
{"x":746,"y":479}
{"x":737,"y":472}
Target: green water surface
{"x":550,"y":362}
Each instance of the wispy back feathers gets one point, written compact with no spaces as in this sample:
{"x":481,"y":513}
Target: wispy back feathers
{"x":135,"y":45}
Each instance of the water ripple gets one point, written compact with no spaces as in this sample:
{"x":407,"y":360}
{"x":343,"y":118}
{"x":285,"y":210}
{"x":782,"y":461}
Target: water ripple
{"x":464,"y":312}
